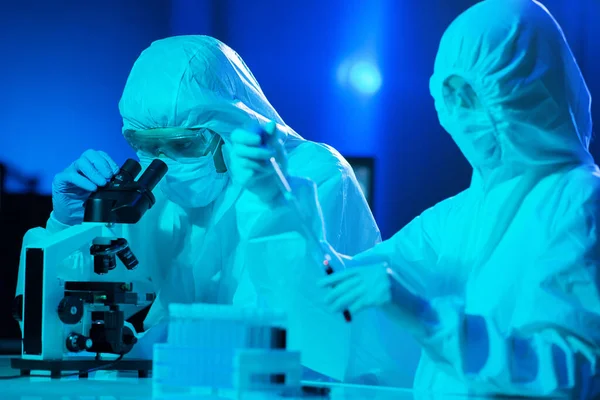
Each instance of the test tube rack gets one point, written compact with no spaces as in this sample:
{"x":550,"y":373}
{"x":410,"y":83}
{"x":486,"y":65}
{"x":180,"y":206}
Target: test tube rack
{"x":224,"y":348}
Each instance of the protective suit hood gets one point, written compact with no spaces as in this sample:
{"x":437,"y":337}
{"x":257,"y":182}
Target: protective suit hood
{"x":534,"y":106}
{"x":201,"y":83}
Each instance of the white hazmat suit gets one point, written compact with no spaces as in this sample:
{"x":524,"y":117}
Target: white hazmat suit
{"x":205,"y":254}
{"x":510,"y":265}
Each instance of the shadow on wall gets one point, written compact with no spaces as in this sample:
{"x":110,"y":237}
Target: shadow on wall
{"x":18,"y":213}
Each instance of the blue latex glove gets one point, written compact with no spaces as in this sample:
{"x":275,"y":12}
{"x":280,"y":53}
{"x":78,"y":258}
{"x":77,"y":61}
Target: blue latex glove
{"x":249,"y":161}
{"x":72,"y":187}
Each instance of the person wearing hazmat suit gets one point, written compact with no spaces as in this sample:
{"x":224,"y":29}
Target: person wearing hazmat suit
{"x":182,"y":100}
{"x":499,"y":284}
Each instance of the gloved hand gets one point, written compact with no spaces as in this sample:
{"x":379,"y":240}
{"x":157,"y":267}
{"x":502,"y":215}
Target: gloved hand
{"x":72,"y":187}
{"x":376,"y":285}
{"x":357,"y":288}
{"x":249,"y":161}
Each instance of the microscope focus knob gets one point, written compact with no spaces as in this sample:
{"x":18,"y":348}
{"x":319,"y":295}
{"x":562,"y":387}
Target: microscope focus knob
{"x":70,"y":310}
{"x":77,"y":343}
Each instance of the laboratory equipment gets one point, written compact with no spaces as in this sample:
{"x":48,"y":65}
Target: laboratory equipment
{"x":212,"y":348}
{"x":329,"y":258}
{"x":64,"y":311}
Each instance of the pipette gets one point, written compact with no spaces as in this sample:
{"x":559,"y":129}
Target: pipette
{"x":329,"y":256}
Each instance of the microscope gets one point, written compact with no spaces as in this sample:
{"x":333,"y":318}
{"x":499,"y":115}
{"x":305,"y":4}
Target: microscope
{"x":66,"y":313}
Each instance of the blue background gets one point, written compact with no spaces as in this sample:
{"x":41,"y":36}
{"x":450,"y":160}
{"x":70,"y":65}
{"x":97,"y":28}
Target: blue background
{"x":64,"y":64}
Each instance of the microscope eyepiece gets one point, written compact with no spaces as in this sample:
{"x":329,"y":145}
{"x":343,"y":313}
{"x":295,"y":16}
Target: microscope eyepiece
{"x":124,"y":200}
{"x":127,"y":173}
{"x":153,"y":174}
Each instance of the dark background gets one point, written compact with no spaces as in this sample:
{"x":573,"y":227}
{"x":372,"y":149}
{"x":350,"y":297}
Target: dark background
{"x":64,"y":64}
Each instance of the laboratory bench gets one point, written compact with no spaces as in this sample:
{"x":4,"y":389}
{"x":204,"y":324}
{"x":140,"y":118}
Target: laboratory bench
{"x":112,"y":385}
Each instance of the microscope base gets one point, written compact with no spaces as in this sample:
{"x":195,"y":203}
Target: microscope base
{"x":83,"y":365}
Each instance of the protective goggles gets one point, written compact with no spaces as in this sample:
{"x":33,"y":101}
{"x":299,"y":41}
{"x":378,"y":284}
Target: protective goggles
{"x":175,"y":143}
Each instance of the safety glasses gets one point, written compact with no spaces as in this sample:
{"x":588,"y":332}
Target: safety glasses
{"x":175,"y":143}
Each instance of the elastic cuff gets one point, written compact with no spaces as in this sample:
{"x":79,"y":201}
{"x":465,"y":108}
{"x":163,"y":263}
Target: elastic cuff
{"x":458,"y":336}
{"x":495,"y":364}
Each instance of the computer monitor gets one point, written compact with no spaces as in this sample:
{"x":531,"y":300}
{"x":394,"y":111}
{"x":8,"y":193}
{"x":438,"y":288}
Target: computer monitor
{"x":364,"y":169}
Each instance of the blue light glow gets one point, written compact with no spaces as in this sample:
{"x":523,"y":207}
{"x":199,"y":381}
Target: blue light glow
{"x":363,"y":76}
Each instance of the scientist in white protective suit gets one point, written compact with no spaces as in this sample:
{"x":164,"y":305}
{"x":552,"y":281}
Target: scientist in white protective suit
{"x":182,"y":100}
{"x":499,"y":283}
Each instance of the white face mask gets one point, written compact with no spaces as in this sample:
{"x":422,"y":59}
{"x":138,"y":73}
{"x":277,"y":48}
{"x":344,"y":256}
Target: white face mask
{"x":194,"y":183}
